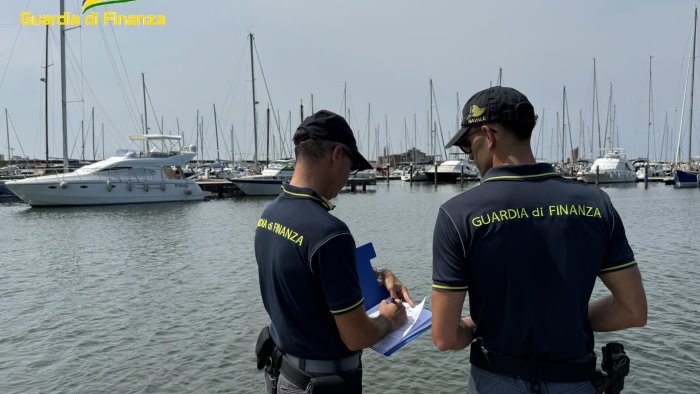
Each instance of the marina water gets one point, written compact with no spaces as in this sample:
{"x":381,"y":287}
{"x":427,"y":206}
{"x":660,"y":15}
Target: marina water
{"x":164,"y":298}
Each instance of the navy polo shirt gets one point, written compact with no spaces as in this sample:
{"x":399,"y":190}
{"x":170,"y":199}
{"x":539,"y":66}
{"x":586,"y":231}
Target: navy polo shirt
{"x":308,"y":274}
{"x":527,"y":245}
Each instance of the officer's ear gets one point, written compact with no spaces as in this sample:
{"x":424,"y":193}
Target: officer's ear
{"x":490,"y":135}
{"x":337,"y":154}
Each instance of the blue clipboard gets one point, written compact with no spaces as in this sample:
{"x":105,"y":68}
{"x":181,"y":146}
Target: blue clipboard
{"x":374,"y":293}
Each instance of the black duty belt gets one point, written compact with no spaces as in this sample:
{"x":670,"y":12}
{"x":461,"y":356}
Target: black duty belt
{"x":325,"y":366}
{"x":349,"y":380}
{"x":531,"y":370}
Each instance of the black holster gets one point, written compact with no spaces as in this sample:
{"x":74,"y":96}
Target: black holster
{"x":264,"y":347}
{"x":615,"y":366}
{"x":268,"y":356}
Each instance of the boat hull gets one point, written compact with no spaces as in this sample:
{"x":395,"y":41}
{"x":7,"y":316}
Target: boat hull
{"x":418,"y":176}
{"x":258,"y":187}
{"x":609,"y":177}
{"x":57,"y":193}
{"x":685,"y":179}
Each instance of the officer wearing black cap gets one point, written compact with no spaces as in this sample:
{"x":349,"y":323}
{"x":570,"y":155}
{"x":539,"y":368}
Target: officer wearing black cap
{"x":526,"y":245}
{"x":308,"y":275}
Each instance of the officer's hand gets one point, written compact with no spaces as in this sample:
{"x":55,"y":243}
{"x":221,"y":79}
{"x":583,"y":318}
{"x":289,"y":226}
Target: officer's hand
{"x":394,"y":311}
{"x":396,"y":288}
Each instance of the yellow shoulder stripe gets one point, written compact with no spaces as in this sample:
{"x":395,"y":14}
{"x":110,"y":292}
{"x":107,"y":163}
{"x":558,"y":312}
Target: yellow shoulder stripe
{"x":339,"y":311}
{"x":323,"y":201}
{"x":618,"y":267}
{"x":443,"y":287}
{"x":516,"y":177}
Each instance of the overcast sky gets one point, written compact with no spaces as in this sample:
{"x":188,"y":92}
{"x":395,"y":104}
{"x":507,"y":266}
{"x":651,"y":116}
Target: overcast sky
{"x":385,"y":52}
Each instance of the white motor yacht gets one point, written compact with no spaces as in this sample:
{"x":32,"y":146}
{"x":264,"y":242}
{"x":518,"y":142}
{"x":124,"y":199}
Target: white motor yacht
{"x":130,"y":177}
{"x":612,"y":167}
{"x":451,"y":170}
{"x":269,"y":182}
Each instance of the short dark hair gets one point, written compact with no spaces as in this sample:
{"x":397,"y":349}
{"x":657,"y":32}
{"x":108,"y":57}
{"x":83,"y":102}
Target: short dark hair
{"x":311,"y":149}
{"x":521,"y":130}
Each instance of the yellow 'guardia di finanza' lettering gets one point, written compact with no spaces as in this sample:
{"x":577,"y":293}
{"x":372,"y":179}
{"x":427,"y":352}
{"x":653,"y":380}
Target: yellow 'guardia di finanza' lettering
{"x":108,"y":18}
{"x":66,"y":19}
{"x":499,"y":216}
{"x":575,"y":210}
{"x":117,"y":19}
{"x":281,"y":230}
{"x":502,"y":215}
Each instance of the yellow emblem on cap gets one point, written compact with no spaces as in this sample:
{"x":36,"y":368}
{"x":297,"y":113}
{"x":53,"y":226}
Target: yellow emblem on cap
{"x":477,"y":111}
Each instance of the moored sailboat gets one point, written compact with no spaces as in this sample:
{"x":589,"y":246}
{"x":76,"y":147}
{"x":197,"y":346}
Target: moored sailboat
{"x":688,"y":174}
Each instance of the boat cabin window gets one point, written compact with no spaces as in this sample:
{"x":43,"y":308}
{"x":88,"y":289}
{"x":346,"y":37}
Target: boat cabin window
{"x":116,"y":170}
{"x":172,"y":173}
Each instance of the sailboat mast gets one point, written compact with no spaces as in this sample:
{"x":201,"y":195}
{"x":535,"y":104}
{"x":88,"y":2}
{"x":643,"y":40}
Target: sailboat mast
{"x":415,"y":137}
{"x":233,"y":152}
{"x":369,"y":127}
{"x":692,"y":86}
{"x":64,"y":110}
{"x":93,"y":134}
{"x":267,"y":136}
{"x":255,"y":111}
{"x":649,"y":114}
{"x":596,"y":110}
{"x":46,"y":95}
{"x":199,"y":148}
{"x":432,"y":132}
{"x":345,"y":101}
{"x":216,"y":134}
{"x":563,"y":127}
{"x":7,"y":129}
{"x":145,"y":111}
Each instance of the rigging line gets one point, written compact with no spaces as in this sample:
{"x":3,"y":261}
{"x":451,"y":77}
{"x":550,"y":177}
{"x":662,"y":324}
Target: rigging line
{"x":16,"y":136}
{"x":132,"y":111}
{"x":126,"y":74}
{"x":81,"y":76}
{"x":235,"y":74}
{"x":12,"y":51}
{"x":148,"y":94}
{"x":75,"y":142}
{"x":274,"y":113}
{"x":571,"y":141}
{"x":437,"y":111}
{"x":120,"y":83}
{"x":74,"y":66}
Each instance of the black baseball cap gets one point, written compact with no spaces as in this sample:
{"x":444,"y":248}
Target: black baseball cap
{"x":495,"y":104}
{"x":328,"y":126}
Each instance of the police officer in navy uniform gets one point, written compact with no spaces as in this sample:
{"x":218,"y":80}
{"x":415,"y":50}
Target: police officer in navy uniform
{"x":526,"y":245}
{"x":307,"y":270}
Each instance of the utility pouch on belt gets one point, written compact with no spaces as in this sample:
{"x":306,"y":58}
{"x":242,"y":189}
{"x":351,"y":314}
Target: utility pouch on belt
{"x":264,"y":347}
{"x":326,"y":384}
{"x":337,"y":384}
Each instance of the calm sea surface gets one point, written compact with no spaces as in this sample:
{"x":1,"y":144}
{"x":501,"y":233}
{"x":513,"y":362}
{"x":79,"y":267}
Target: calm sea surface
{"x":164,"y":298}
